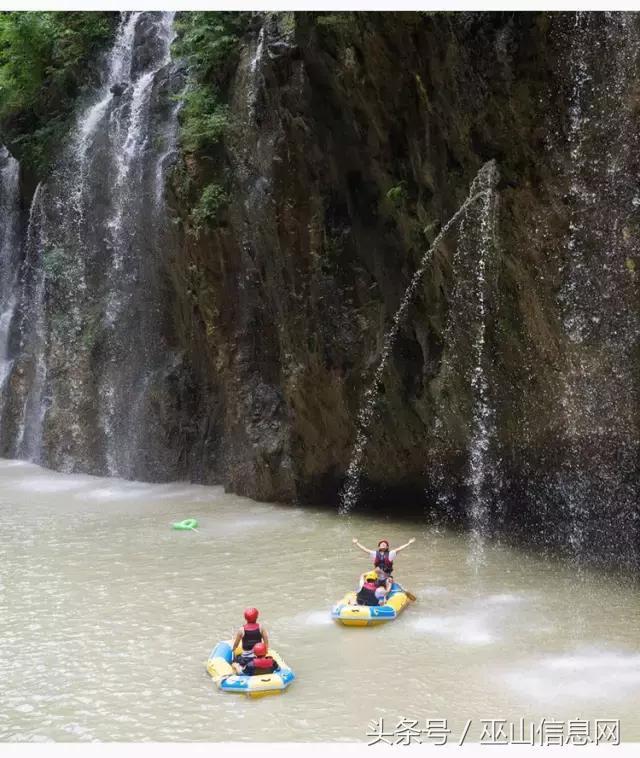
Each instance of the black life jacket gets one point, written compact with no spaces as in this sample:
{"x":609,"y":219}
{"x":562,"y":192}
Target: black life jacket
{"x":252,"y":635}
{"x":264,"y":665}
{"x":367,"y":595}
{"x":382,"y":561}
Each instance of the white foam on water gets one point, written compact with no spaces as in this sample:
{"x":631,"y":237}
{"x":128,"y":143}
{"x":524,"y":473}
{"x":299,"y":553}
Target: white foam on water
{"x":597,"y":660}
{"x":505,"y":598}
{"x":115,"y":492}
{"x":479,"y":622}
{"x":585,"y":675}
{"x":315,"y":618}
{"x":50,"y":484}
{"x":194,"y":493}
{"x":462,"y":629}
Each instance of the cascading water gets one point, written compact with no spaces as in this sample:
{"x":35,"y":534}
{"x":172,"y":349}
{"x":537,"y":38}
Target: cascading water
{"x":33,"y":331}
{"x":481,"y":190}
{"x":466,"y":373}
{"x":94,"y":335}
{"x":477,"y":236}
{"x":598,"y":299}
{"x":254,"y":73}
{"x":9,"y":255}
{"x":131,"y":136}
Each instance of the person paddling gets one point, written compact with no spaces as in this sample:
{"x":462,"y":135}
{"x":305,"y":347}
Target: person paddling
{"x":250,"y":634}
{"x":261,"y":663}
{"x":383,"y":557}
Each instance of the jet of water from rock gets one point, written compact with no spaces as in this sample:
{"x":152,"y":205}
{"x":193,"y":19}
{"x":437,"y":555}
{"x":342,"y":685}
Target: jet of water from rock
{"x":486,"y":178}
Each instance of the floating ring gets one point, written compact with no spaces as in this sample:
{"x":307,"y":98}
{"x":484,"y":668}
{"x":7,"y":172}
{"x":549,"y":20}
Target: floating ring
{"x":189,"y":523}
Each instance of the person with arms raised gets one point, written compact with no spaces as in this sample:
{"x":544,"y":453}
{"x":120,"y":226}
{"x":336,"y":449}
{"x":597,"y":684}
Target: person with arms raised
{"x":383,"y":557}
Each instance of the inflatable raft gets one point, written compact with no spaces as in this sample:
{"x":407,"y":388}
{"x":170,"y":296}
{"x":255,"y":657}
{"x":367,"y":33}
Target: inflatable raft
{"x":370,"y":615}
{"x":219,"y":666}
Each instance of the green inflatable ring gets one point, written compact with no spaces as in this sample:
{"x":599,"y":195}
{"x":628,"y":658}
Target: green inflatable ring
{"x":189,"y":523}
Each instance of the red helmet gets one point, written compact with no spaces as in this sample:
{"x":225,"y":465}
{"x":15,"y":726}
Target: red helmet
{"x":386,"y":542}
{"x":260,"y":649}
{"x":251,"y":614}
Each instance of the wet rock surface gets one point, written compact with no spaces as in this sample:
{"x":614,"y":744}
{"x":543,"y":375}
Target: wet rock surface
{"x":356,"y":137}
{"x":352,"y":139}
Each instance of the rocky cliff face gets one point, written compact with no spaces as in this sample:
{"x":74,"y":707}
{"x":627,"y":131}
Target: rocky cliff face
{"x":355,"y":137}
{"x":514,"y":377}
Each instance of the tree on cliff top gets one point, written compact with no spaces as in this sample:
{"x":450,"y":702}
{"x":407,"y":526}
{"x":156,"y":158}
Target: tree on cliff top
{"x":45,"y":60}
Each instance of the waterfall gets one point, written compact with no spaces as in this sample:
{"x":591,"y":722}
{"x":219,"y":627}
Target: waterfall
{"x":131,"y":118}
{"x":92,"y":119}
{"x":9,"y":258}
{"x":349,"y":496}
{"x":465,"y":416}
{"x":597,"y":300}
{"x":477,"y":241}
{"x":254,"y":74}
{"x":94,"y":351}
{"x":33,"y":330}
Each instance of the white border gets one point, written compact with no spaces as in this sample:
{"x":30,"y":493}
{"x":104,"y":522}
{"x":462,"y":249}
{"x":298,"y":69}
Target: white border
{"x":293,"y":750}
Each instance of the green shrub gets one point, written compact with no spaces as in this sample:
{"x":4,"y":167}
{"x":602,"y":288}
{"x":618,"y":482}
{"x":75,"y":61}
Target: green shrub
{"x":45,"y":60}
{"x":207,"y":212}
{"x":398,"y":194}
{"x":338,"y":23}
{"x":208,"y":42}
{"x":203,"y":120}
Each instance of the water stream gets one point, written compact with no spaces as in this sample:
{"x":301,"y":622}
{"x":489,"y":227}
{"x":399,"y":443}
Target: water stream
{"x":9,"y":255}
{"x":480,"y":189}
{"x":254,"y":73}
{"x":477,"y":241}
{"x":33,"y":330}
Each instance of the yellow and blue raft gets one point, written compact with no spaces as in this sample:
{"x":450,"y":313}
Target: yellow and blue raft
{"x":219,"y":666}
{"x":370,"y":615}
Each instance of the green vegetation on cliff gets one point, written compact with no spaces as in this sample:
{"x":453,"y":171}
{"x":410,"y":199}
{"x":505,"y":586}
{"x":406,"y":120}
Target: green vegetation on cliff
{"x":209,"y":43}
{"x":45,"y":60}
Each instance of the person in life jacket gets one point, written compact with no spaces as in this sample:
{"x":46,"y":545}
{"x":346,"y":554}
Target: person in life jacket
{"x":261,"y":663}
{"x":370,"y":593}
{"x":383,"y":580}
{"x":383,"y":557}
{"x":249,"y":635}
